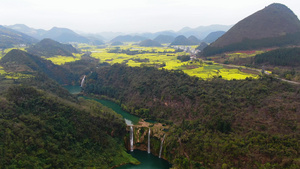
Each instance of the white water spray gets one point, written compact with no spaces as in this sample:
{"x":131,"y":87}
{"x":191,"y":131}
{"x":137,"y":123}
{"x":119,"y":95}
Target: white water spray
{"x":149,"y":141}
{"x":82,"y":81}
{"x":161,"y":146}
{"x":131,"y":138}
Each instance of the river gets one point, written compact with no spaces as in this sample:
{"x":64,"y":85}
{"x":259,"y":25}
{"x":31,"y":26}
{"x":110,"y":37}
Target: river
{"x":148,"y":161}
{"x":129,"y":118}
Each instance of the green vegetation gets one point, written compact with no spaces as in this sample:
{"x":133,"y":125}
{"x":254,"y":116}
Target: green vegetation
{"x":248,"y":44}
{"x":243,"y":124}
{"x":283,"y":62}
{"x":49,"y":128}
{"x":167,"y":58}
{"x":60,"y":60}
{"x":184,"y":58}
{"x":280,"y":57}
{"x":50,"y":48}
{"x":245,"y":121}
{"x":263,"y":29}
{"x":287,"y":73}
{"x":17,"y":61}
{"x":243,"y":58}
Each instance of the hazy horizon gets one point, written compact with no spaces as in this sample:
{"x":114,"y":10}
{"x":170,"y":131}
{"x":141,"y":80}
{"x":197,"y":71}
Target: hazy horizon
{"x":131,"y":16}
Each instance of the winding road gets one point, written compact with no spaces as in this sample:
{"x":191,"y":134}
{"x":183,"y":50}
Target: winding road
{"x":259,"y":70}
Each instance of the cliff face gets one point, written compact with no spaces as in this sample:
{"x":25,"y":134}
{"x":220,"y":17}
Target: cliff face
{"x":140,"y":139}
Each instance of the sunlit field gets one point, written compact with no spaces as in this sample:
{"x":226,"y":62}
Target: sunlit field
{"x":60,"y":60}
{"x":2,"y":53}
{"x":234,"y":56}
{"x":13,"y":75}
{"x":162,"y":59}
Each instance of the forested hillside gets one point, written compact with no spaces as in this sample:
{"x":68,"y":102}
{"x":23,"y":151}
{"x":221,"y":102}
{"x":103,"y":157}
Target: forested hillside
{"x":280,"y":57}
{"x":213,"y":117}
{"x":49,"y":48}
{"x":39,"y":129}
{"x":23,"y":62}
{"x":252,"y":44}
{"x":262,"y":29}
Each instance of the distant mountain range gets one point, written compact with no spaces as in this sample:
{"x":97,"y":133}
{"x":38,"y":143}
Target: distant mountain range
{"x":150,"y":43}
{"x":202,"y":31}
{"x":182,"y":40}
{"x":62,"y":35}
{"x":128,"y":38}
{"x":65,"y":35}
{"x":36,"y":33}
{"x":274,"y":26}
{"x":164,"y":39}
{"x":213,"y":36}
{"x":116,"y":43}
{"x":48,"y":47}
{"x":10,"y":37}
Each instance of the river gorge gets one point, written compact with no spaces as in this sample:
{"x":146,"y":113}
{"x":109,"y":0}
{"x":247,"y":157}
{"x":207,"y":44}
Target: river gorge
{"x":144,"y":140}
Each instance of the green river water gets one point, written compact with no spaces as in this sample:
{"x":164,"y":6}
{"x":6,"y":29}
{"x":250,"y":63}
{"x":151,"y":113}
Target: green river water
{"x":148,"y":161}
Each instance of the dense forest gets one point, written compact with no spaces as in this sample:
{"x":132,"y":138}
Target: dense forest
{"x":284,"y":62}
{"x":280,"y":57}
{"x":40,"y":129}
{"x":245,"y":124}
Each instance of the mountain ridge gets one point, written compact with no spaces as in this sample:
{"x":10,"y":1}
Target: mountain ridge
{"x":10,"y":37}
{"x":182,"y":40}
{"x":63,"y":35}
{"x":48,"y":47}
{"x":272,"y":21}
{"x":150,"y":43}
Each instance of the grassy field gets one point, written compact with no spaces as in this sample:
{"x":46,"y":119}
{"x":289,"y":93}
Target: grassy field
{"x":60,"y":60}
{"x":205,"y":70}
{"x":238,"y":57}
{"x":160,"y":57}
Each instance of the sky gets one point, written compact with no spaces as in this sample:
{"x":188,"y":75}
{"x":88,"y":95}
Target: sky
{"x":95,"y":16}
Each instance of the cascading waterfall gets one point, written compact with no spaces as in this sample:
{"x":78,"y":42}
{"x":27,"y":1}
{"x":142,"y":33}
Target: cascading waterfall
{"x":82,"y":81}
{"x":161,"y":146}
{"x":149,"y":141}
{"x":131,"y":138}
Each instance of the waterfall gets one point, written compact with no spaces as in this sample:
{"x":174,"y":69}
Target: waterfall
{"x":149,"y":141}
{"x":82,"y":81}
{"x":131,"y":138}
{"x":161,"y":145}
